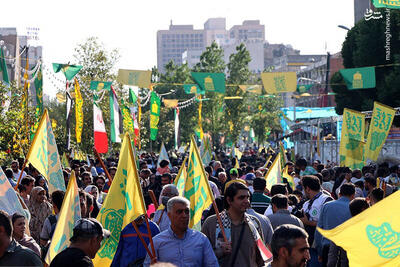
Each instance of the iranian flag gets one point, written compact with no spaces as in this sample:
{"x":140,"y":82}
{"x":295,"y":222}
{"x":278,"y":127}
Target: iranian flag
{"x":100,"y":134}
{"x":115,"y":118}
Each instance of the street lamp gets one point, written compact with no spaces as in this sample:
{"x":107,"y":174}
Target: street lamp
{"x":344,"y":27}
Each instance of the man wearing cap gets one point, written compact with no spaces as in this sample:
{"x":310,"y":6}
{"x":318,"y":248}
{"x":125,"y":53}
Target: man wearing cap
{"x":85,"y":242}
{"x":249,"y":178}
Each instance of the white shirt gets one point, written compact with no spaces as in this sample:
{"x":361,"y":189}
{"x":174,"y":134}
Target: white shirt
{"x":16,"y":175}
{"x":214,"y":189}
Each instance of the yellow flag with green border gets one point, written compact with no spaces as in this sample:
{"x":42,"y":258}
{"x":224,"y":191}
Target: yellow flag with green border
{"x":64,"y":161}
{"x":381,"y":121}
{"x":372,"y":238}
{"x":43,"y":155}
{"x":123,"y":204}
{"x":70,"y":212}
{"x":279,"y":82}
{"x":352,"y":142}
{"x":197,"y":188}
{"x":180,"y":179}
{"x":273,"y":175}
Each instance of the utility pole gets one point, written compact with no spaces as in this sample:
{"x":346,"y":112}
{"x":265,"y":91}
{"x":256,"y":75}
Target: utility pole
{"x":325,"y":97}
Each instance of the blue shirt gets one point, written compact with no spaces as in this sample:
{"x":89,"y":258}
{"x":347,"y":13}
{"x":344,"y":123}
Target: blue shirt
{"x":193,"y":250}
{"x":130,"y":248}
{"x":333,"y":213}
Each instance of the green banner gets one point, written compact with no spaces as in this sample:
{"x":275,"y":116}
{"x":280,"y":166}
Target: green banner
{"x":132,"y":97}
{"x":69,"y":70}
{"x":3,"y":67}
{"x":155,"y":105}
{"x":359,"y":78}
{"x":193,"y":89}
{"x":39,"y":101}
{"x":99,"y":85}
{"x":214,"y":82}
{"x":394,"y":4}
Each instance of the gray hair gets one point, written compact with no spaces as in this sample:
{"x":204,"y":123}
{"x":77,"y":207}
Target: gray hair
{"x":216,"y":162}
{"x":172,"y":188}
{"x":175,"y":200}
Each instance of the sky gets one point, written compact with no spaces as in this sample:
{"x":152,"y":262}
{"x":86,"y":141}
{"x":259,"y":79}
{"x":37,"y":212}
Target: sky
{"x":131,"y":26}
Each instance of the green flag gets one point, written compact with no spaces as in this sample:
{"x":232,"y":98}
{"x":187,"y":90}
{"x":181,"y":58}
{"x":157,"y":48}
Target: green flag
{"x":3,"y":68}
{"x":132,"y":97}
{"x":155,"y":105}
{"x":39,"y":101}
{"x":214,"y":82}
{"x":359,"y":78}
{"x":193,"y":89}
{"x":395,"y":4}
{"x":302,"y":88}
{"x":69,"y":70}
{"x":99,"y":85}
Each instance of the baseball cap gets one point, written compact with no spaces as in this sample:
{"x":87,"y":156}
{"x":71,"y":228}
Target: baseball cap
{"x":250,"y":177}
{"x":89,"y":227}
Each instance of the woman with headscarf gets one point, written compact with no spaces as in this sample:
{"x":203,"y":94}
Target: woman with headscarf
{"x":40,"y":209}
{"x":94,"y":191}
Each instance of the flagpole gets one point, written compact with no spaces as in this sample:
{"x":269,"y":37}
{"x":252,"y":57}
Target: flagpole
{"x":20,"y":175}
{"x":153,"y":198}
{"x":153,"y":258}
{"x":150,"y":237}
{"x":103,"y":166}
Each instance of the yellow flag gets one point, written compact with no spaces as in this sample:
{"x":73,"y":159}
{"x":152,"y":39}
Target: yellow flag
{"x":372,"y":238}
{"x":381,"y":121}
{"x":197,"y":188}
{"x":43,"y":155}
{"x":273,"y":175}
{"x":170,"y":103}
{"x":279,"y":82}
{"x":123,"y":204}
{"x":140,"y":78}
{"x":64,"y":161}
{"x":78,"y":112}
{"x":238,"y":153}
{"x":180,"y":179}
{"x":70,"y":212}
{"x":200,"y":125}
{"x":288,"y":177}
{"x":352,"y":143}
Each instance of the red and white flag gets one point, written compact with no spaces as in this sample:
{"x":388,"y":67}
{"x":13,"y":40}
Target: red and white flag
{"x":100,"y":134}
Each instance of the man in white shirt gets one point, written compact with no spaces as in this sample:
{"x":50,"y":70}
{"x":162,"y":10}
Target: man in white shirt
{"x":16,"y":170}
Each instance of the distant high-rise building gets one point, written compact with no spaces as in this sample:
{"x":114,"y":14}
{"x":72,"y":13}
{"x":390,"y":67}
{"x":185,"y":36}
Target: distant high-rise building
{"x":13,"y":43}
{"x":183,"y":44}
{"x":173,"y":42}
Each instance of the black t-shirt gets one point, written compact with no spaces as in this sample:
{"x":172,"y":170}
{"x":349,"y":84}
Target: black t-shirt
{"x":71,"y":257}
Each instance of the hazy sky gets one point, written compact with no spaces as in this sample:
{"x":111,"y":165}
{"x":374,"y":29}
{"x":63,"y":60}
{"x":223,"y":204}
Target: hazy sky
{"x":131,"y":26}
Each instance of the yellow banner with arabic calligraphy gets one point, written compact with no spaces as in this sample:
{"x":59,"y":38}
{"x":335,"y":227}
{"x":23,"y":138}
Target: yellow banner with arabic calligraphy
{"x":381,"y":121}
{"x":279,"y":82}
{"x":352,"y":142}
{"x":78,"y":112}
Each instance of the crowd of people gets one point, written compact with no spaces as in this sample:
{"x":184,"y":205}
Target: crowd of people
{"x":285,"y":217}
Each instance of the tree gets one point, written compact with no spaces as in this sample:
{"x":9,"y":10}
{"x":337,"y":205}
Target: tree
{"x":212,"y":60}
{"x":239,"y":73}
{"x":365,"y":46}
{"x":98,"y":64}
{"x":14,"y":136}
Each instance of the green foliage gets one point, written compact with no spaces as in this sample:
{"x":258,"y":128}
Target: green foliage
{"x":239,"y":73}
{"x":14,"y":134}
{"x":365,"y":46}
